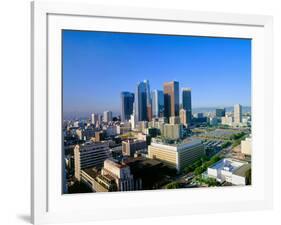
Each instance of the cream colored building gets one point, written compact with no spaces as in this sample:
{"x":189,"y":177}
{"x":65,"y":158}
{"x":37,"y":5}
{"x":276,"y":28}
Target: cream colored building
{"x":97,"y":182}
{"x":174,"y":120}
{"x":177,"y":155}
{"x":79,"y":133}
{"x":114,"y":176}
{"x":159,"y":124}
{"x":122,"y":175}
{"x":246,"y":146}
{"x":237,"y":114}
{"x":90,"y":154}
{"x":183,"y":117}
{"x":130,"y":146}
{"x":227,"y":120}
{"x":173,"y":131}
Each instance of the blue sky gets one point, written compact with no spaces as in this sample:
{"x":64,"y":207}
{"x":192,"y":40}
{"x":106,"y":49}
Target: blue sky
{"x":97,"y":66}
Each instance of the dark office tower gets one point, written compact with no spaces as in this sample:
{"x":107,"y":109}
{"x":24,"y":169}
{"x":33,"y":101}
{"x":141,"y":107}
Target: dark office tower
{"x":186,"y":104}
{"x":141,"y":101}
{"x":220,"y":112}
{"x":127,"y":105}
{"x":157,"y":97}
{"x":171,"y":99}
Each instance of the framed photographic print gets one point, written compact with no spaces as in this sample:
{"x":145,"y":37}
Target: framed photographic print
{"x":149,"y":112}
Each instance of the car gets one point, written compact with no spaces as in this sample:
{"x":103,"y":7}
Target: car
{"x":189,"y":178}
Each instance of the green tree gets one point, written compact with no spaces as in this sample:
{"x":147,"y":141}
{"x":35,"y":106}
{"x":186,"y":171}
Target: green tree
{"x":214,"y":159}
{"x":199,"y":170}
{"x":198,"y":163}
{"x":173,"y":185}
{"x":226,"y":144}
{"x":204,"y":158}
{"x":188,"y":169}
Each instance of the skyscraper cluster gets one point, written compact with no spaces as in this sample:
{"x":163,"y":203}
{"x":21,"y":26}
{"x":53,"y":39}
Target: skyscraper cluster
{"x":146,"y":104}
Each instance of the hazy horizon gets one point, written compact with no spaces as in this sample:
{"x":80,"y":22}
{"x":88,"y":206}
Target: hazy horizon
{"x":72,"y":115}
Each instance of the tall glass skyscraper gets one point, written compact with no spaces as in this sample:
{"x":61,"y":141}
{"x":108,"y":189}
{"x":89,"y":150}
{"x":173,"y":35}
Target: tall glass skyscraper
{"x":157,"y":97}
{"x":186,"y":103}
{"x":127,"y":105}
{"x":148,"y":101}
{"x":171,"y":99}
{"x":148,"y":96}
{"x":142,"y":101}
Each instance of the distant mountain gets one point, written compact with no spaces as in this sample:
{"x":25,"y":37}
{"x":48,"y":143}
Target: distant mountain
{"x":213,"y":109}
{"x":87,"y":115}
{"x":82,"y":115}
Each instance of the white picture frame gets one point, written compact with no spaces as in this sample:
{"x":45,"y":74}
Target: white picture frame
{"x":48,"y":205}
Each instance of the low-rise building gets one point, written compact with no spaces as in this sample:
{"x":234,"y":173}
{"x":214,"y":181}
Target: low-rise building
{"x":114,"y":176}
{"x":230,"y":170}
{"x":122,"y":175}
{"x":178,"y":155}
{"x":130,"y":146}
{"x":111,"y":131}
{"x":96,"y":182}
{"x":227,"y":120}
{"x":99,"y":136}
{"x":141,"y":126}
{"x":213,"y":121}
{"x":157,"y":123}
{"x":173,"y":131}
{"x":246,"y":146}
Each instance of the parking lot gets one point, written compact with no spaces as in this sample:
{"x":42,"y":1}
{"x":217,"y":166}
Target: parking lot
{"x":221,"y":134}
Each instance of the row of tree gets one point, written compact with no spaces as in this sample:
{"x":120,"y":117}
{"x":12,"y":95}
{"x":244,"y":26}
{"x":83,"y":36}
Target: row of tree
{"x":201,"y":165}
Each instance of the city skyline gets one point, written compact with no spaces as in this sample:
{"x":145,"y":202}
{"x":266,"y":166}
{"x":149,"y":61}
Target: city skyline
{"x":138,"y":93}
{"x":96,"y":66}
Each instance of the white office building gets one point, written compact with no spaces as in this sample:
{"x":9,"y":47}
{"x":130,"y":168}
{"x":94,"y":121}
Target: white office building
{"x":133,"y":120}
{"x":107,"y":116}
{"x":94,"y":118}
{"x":229,"y":170}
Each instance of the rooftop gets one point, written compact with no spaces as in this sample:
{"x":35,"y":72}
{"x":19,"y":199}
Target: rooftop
{"x":143,"y":162}
{"x":230,"y":165}
{"x":114,"y":163}
{"x":91,"y":145}
{"x":92,"y":172}
{"x":176,"y":146}
{"x":242,"y":170}
{"x":131,"y":140}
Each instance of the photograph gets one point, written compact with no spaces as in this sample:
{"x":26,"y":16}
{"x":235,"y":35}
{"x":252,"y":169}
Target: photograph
{"x":145,"y":111}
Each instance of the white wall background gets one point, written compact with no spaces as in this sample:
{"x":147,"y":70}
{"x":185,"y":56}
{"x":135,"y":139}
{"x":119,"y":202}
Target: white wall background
{"x":15,"y":108}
